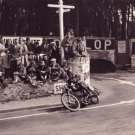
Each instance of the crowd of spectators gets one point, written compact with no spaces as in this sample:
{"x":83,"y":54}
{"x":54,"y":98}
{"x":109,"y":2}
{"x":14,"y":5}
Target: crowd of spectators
{"x":30,"y":60}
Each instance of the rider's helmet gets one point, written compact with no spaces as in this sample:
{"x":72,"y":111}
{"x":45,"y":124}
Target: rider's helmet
{"x":75,"y":78}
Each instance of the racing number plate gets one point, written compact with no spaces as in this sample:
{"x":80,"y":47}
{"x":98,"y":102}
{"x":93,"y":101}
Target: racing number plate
{"x":58,"y":88}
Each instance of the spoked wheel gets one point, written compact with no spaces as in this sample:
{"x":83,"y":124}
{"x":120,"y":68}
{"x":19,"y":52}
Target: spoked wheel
{"x":70,"y":102}
{"x":94,"y":99}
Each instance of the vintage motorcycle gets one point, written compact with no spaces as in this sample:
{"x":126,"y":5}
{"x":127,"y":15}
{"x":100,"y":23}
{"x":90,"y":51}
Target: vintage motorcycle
{"x":77,"y":95}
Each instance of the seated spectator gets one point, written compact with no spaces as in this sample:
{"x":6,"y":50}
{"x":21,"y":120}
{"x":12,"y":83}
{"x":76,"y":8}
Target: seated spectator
{"x":55,"y":71}
{"x":3,"y":84}
{"x":31,"y":75}
{"x":42,"y":71}
{"x":67,"y":69}
{"x":31,"y":68}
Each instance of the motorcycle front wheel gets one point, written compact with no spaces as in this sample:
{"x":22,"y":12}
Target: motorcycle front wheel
{"x":70,"y":101}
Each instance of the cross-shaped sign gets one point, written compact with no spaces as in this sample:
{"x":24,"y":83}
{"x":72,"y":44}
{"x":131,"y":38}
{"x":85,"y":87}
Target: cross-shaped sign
{"x":62,"y":8}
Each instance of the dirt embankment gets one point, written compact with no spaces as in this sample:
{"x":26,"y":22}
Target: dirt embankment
{"x":21,"y":91}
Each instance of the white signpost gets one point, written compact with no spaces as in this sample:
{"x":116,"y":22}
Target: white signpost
{"x":62,"y":8}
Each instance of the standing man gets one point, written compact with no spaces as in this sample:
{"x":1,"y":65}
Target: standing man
{"x":80,"y":48}
{"x":23,"y":53}
{"x":13,"y":58}
{"x":30,"y":45}
{"x":67,"y":44}
{"x":3,"y":56}
{"x":44,"y":47}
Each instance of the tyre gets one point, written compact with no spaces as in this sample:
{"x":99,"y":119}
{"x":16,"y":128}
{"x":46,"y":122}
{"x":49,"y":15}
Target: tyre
{"x":70,"y":101}
{"x":94,"y":99}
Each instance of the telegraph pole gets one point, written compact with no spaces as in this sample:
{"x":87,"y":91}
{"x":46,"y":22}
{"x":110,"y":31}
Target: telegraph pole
{"x":61,"y":9}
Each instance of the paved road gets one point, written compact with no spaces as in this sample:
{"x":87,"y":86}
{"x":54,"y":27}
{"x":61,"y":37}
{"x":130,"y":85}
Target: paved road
{"x":113,"y":116}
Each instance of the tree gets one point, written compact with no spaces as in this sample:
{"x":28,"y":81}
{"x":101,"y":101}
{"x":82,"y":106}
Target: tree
{"x":109,"y":18}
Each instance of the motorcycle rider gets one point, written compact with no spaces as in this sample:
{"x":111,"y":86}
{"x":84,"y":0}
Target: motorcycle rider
{"x":76,"y":84}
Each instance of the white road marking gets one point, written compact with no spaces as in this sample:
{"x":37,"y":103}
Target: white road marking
{"x":110,"y":105}
{"x":82,"y":109}
{"x":24,"y":116}
{"x":126,"y":82}
{"x":120,"y":81}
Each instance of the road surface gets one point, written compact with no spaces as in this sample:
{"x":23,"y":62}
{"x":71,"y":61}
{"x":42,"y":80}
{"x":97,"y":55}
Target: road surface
{"x":114,"y":115}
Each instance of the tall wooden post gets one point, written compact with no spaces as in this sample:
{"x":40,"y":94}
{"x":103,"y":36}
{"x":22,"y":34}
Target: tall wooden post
{"x":62,"y":8}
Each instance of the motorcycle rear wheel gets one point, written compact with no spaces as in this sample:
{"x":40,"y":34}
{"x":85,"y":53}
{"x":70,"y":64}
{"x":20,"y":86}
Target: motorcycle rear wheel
{"x":94,"y":99}
{"x":71,"y":102}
